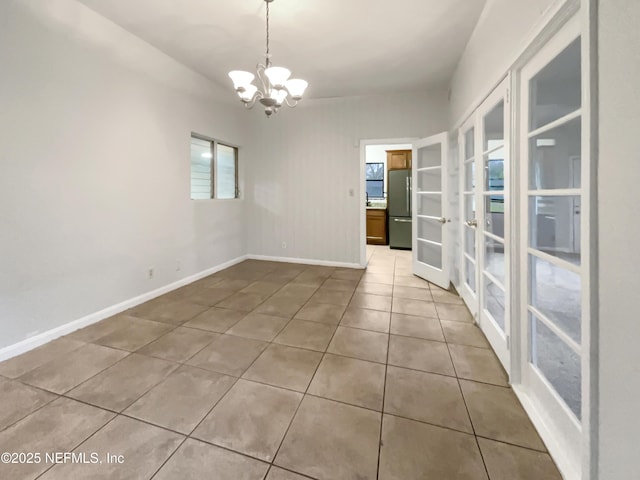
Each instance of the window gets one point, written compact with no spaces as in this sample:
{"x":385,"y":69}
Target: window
{"x":375,"y":180}
{"x":214,"y":169}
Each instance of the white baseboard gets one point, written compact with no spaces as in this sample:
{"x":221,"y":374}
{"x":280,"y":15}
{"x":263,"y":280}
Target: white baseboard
{"x":556,"y":450}
{"x":44,"y":337}
{"x":307,"y":261}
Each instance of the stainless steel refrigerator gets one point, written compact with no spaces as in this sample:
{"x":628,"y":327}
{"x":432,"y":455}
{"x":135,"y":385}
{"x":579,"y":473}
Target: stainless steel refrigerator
{"x":399,"y":204}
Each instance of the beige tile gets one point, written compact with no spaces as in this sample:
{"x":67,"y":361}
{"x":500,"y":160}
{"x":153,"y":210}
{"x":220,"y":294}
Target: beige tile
{"x":413,"y":450}
{"x":330,"y":441}
{"x":235,"y":284}
{"x":308,"y":279}
{"x":285,"y":367}
{"x":58,"y":427}
{"x":179,"y":345}
{"x":382,"y":278}
{"x":479,"y":364}
{"x":454,"y":313}
{"x":326,"y":295}
{"x":18,"y":366}
{"x":420,"y":354}
{"x":419,"y":308}
{"x":67,"y":371}
{"x":122,"y":384}
{"x":135,"y":334}
{"x":508,"y":462}
{"x":384,"y":268}
{"x":375,"y":288}
{"x":143,"y":447}
{"x":321,"y":312}
{"x":497,"y":414}
{"x":100,"y":329}
{"x":209,"y":296}
{"x":216,"y":319}
{"x":243,"y":302}
{"x":251,"y":418}
{"x":283,"y":275}
{"x":412,"y":293}
{"x":18,"y":400}
{"x":304,"y":334}
{"x":342,"y":285}
{"x":347,"y":274}
{"x":372,"y":302}
{"x":418,"y":327}
{"x":350,"y":380}
{"x":461,"y":333}
{"x":168,"y":311}
{"x":196,"y":460}
{"x":409,"y":281}
{"x":443,"y":296}
{"x":263,"y":288}
{"x":281,"y":305}
{"x":362,"y":344}
{"x":426,"y":397}
{"x":182,"y":400}
{"x":258,"y":326}
{"x":375,"y":320}
{"x":281,"y":474}
{"x":294,"y":290}
{"x":229,"y":354}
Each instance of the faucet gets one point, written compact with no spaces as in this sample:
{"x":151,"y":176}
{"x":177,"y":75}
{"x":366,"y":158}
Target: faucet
{"x":367,"y":202}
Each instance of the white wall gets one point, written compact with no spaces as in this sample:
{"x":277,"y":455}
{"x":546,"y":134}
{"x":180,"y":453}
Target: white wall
{"x":618,"y":178}
{"x":498,"y":38}
{"x":94,"y":168}
{"x":305,"y":161}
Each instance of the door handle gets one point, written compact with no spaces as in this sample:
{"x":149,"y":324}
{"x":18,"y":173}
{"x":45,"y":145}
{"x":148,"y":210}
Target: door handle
{"x":408,"y":188}
{"x":401,"y":220}
{"x":442,"y":220}
{"x":472,"y":223}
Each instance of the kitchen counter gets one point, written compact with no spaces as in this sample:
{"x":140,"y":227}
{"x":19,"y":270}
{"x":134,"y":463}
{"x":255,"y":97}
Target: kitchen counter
{"x":376,"y":208}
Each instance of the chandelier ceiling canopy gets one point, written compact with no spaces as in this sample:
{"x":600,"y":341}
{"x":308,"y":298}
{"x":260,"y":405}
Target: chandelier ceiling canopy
{"x":274,"y":88}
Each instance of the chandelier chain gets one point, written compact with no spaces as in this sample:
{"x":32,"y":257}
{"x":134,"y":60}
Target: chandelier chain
{"x":268,"y":55}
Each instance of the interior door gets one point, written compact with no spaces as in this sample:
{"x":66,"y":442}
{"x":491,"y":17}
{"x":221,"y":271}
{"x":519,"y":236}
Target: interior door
{"x":430,"y":215}
{"x":468,"y":260}
{"x":554,"y":261}
{"x":493,"y":225}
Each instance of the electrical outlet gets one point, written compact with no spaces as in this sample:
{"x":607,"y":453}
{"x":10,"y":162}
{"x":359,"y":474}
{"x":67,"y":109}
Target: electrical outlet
{"x":284,"y":244}
{"x":151,"y":272}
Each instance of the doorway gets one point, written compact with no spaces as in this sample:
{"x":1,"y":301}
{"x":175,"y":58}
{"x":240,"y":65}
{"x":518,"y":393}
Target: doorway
{"x":374,"y":181}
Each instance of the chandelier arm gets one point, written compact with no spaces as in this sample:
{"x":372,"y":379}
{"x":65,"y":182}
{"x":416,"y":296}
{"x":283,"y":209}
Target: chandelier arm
{"x":249,"y":105}
{"x":289,"y":104}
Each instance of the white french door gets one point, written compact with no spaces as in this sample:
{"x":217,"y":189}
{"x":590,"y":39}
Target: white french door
{"x":493,"y":229}
{"x":554,"y":252}
{"x":484,"y":143}
{"x":430,"y":215}
{"x":469,"y":221}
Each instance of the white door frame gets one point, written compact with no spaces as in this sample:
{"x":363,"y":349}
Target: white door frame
{"x":363,"y":187}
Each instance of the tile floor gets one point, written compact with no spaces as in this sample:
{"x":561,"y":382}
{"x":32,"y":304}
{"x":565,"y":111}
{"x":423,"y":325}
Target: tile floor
{"x":280,"y":372}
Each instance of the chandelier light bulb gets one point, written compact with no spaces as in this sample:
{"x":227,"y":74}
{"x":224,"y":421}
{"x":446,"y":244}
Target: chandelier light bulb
{"x":296,"y":87}
{"x":247,"y":94}
{"x":241,"y":79}
{"x":278,"y":76}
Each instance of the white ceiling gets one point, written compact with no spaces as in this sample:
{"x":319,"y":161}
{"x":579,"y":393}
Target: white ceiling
{"x":341,"y":47}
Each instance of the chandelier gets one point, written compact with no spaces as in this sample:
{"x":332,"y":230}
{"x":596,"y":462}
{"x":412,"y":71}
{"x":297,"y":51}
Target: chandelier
{"x":275,"y":88}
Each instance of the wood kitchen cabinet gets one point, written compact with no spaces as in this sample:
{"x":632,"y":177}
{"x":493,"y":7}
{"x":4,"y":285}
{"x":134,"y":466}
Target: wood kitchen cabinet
{"x":376,"y":226}
{"x":398,"y":159}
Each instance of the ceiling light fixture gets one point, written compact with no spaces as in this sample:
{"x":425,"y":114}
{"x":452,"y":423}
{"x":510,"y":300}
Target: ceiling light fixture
{"x":276,"y":87}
